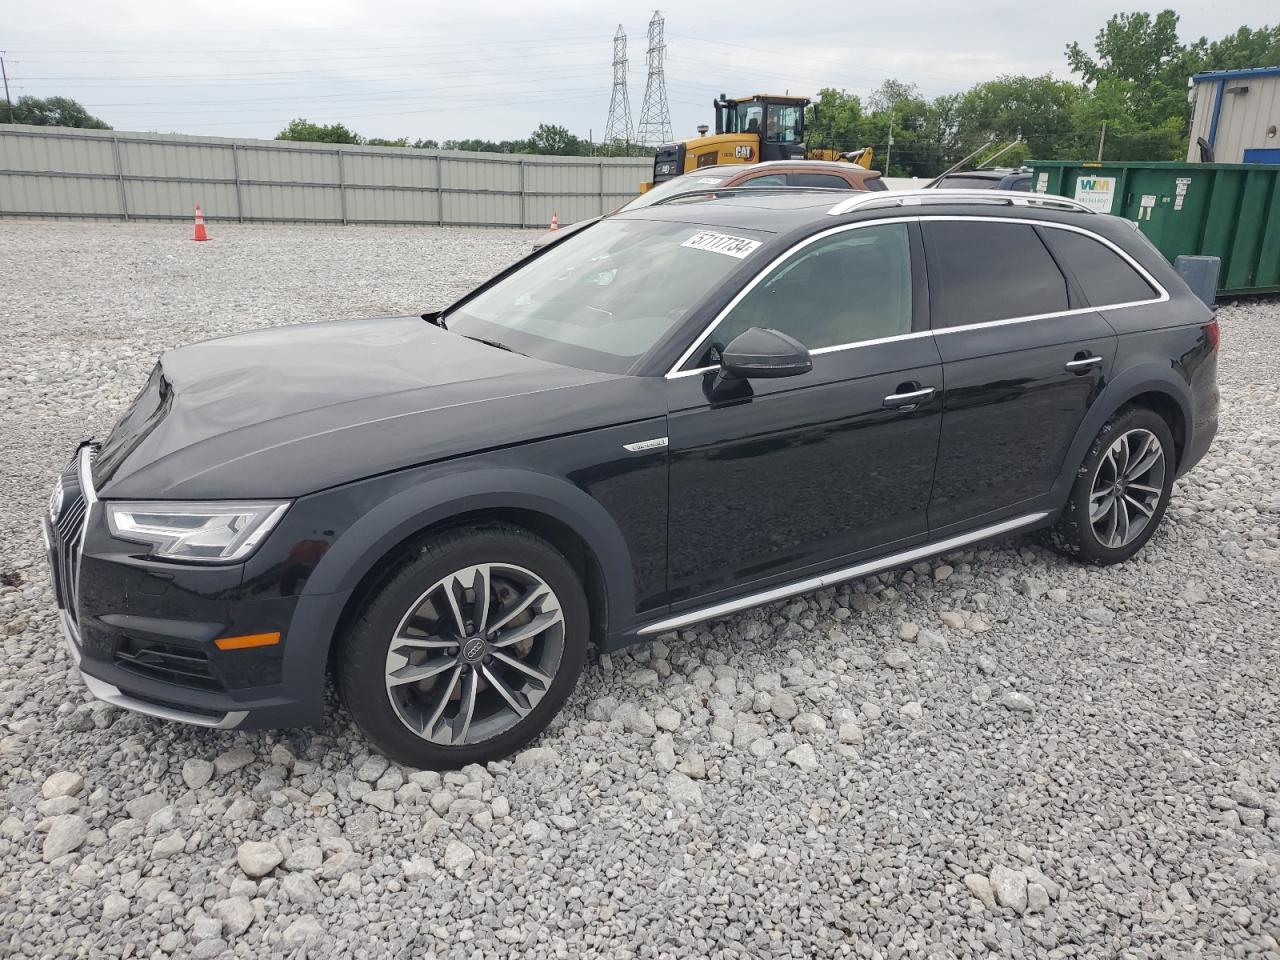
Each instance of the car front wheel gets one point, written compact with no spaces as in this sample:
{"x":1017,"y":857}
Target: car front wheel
{"x":468,"y":650}
{"x":1121,"y":490}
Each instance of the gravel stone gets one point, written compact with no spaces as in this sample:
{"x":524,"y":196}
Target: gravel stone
{"x":1018,"y":702}
{"x":257,"y":858}
{"x":62,"y":784}
{"x":114,"y":906}
{"x":457,"y":857}
{"x":236,"y":914}
{"x":804,"y":757}
{"x":1153,"y":704}
{"x":980,"y":887}
{"x":196,"y":773}
{"x":683,"y":790}
{"x":65,"y":835}
{"x":232,"y":760}
{"x":897,"y":659}
{"x":1010,"y":887}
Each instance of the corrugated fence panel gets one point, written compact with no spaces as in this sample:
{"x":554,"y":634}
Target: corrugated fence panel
{"x":502,"y":210}
{"x":391,"y":206}
{"x":176,"y":160}
{"x":566,"y":207}
{"x":174,"y":199}
{"x":619,"y":179}
{"x":382,"y":170}
{"x":53,"y":171}
{"x":59,"y":196}
{"x":57,"y":154}
{"x":288,"y":166}
{"x":463,"y":173}
{"x":270,"y":201}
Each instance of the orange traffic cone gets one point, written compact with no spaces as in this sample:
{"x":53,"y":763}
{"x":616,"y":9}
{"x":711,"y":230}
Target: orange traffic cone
{"x":200,"y":231}
{"x":555,"y":222}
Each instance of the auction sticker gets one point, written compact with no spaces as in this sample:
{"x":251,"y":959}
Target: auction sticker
{"x":739,"y":247}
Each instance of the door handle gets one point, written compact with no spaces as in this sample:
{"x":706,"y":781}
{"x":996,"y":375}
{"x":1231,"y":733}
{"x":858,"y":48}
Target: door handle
{"x":909,"y":398}
{"x":1081,"y":364}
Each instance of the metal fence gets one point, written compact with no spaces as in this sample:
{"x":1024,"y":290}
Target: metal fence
{"x":60,"y":172}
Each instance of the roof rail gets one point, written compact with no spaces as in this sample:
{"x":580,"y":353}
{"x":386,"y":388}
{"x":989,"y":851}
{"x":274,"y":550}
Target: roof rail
{"x":911,"y":198}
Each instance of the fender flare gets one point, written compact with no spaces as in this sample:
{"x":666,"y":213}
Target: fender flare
{"x":359,"y":548}
{"x":1145,"y":378}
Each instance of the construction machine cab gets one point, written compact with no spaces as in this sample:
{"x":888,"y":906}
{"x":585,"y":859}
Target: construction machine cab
{"x":777,"y":120}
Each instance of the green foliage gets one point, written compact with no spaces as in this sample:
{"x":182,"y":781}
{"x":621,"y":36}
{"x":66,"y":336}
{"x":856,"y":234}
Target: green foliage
{"x":554,"y":140}
{"x":53,"y":112}
{"x":382,"y":142}
{"x":305,"y":130}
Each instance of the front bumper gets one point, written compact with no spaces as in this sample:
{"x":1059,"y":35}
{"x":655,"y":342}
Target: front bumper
{"x":142,"y":632}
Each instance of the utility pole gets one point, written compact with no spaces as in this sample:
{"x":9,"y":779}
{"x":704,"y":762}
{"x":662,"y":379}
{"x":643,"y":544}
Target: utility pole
{"x":1102,"y":139}
{"x":888,"y":152}
{"x":617,"y":130}
{"x":7,"y":102}
{"x":655,"y":117}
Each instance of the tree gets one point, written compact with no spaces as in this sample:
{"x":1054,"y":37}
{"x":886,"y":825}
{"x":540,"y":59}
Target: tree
{"x":1239,"y":50}
{"x":1145,"y":55}
{"x":835,"y":121}
{"x":427,"y":144}
{"x":305,"y":130}
{"x":555,"y":141}
{"x":1037,"y":108}
{"x":382,"y":142}
{"x":890,"y":93}
{"x":53,"y":112}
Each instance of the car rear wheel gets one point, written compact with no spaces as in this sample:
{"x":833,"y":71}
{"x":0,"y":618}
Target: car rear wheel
{"x":468,"y":650}
{"x":1120,"y":492}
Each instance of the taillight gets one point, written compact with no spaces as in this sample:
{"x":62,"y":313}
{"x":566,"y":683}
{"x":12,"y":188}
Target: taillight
{"x":1211,"y":331}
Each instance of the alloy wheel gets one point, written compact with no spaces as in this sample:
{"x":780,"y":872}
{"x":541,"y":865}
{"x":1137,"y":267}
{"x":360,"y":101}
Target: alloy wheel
{"x":475,"y":654}
{"x":1127,"y":488}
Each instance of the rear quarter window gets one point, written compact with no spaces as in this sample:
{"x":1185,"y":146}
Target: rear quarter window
{"x":1104,"y":277}
{"x":828,"y":180}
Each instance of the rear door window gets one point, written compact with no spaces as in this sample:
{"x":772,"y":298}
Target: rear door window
{"x":1103,"y":275}
{"x":984,"y":270}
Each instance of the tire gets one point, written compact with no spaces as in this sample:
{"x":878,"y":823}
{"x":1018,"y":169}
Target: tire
{"x":411,"y":663}
{"x":1090,"y":529}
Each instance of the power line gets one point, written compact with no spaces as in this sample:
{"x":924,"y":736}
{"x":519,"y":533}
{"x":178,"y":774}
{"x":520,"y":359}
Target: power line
{"x":655,"y":115}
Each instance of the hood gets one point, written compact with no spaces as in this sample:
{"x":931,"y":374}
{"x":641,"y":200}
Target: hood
{"x":290,"y":410}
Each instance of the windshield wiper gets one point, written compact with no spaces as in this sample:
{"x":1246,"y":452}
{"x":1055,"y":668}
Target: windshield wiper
{"x":494,"y":343}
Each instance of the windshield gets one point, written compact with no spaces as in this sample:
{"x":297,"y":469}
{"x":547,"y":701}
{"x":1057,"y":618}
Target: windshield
{"x":689,"y":183}
{"x":601,"y":298}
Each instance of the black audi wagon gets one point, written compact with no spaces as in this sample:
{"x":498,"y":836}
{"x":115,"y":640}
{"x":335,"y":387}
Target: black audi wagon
{"x":685,"y":411}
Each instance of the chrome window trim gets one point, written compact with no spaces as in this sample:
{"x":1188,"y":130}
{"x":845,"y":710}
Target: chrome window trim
{"x":1162,"y":296}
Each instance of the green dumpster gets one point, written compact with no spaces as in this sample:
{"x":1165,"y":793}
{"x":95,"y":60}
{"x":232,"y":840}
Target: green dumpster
{"x":1225,"y":210}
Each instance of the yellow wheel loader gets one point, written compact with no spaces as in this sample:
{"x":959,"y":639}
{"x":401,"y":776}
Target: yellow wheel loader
{"x":751,"y":129}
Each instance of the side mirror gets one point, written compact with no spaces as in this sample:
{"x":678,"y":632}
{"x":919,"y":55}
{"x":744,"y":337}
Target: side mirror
{"x":759,"y":353}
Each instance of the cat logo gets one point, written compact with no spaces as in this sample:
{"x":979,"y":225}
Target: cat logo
{"x":745,"y":152}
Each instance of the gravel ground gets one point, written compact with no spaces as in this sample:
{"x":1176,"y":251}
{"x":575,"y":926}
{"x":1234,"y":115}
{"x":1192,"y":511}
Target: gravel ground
{"x":996,"y":754}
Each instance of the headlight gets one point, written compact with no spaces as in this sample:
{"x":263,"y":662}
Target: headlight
{"x":195,"y":532}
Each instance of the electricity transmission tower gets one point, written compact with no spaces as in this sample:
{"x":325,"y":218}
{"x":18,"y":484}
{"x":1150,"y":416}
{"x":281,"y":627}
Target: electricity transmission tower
{"x":618,"y":129}
{"x":655,"y":117}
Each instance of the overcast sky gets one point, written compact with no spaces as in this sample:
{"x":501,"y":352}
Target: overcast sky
{"x":496,"y":70}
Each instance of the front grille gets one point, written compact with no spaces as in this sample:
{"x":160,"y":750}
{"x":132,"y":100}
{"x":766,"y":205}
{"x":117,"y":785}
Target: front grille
{"x":169,"y":662}
{"x":67,"y":538}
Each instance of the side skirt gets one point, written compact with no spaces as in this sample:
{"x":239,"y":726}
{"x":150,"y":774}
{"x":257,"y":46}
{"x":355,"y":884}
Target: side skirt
{"x":839,"y":576}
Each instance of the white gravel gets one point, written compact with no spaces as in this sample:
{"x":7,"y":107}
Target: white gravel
{"x":1003,"y":754}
